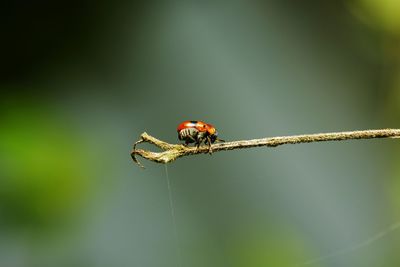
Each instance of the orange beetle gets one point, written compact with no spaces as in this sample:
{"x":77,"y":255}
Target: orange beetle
{"x":198,"y":132}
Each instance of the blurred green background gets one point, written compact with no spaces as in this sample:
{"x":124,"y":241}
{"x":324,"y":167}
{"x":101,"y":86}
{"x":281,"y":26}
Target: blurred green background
{"x":81,"y":80}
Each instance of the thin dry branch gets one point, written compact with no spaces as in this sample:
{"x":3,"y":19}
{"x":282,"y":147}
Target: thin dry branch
{"x":173,"y":151}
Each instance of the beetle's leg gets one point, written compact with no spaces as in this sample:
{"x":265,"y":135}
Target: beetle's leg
{"x":198,"y":143}
{"x":191,"y":138}
{"x":199,"y":139}
{"x":208,"y":140}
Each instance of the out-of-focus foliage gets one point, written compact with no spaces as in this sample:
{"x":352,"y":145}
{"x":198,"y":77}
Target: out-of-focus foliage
{"x":381,"y":14}
{"x":42,"y":168}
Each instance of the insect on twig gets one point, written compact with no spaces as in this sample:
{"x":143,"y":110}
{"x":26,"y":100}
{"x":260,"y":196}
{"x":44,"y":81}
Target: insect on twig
{"x":173,"y":151}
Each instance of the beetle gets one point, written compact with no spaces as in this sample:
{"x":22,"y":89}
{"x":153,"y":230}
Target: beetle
{"x":198,"y":132}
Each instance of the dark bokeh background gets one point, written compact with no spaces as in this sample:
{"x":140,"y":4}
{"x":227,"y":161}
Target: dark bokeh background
{"x":80,"y":80}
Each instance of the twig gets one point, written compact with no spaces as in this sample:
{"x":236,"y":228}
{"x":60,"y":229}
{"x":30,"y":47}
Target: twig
{"x":173,"y":151}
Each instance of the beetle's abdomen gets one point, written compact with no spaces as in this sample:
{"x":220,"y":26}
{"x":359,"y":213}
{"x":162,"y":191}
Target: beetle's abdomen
{"x":188,"y":134}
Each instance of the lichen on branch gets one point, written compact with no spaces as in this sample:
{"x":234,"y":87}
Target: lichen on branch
{"x":173,"y":151}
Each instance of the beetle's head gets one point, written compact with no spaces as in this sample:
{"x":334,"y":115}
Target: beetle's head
{"x":214,"y":137}
{"x":210,"y":129}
